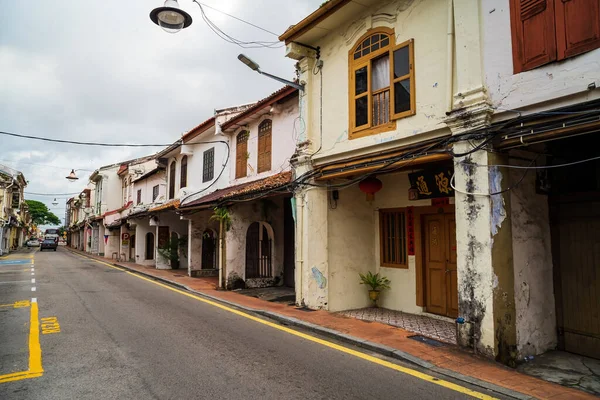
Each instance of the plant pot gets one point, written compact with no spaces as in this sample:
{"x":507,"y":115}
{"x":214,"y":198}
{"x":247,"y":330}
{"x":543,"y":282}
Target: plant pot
{"x":374,"y":296}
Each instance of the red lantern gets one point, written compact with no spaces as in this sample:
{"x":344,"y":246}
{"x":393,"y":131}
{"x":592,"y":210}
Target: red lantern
{"x":370,"y":186}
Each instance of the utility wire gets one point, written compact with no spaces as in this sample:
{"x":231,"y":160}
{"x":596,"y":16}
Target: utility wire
{"x":52,"y":194}
{"x":82,"y":143}
{"x":239,"y":19}
{"x":44,"y":165}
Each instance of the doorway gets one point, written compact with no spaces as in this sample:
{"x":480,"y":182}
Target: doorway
{"x":439,"y":261}
{"x":209,"y":249}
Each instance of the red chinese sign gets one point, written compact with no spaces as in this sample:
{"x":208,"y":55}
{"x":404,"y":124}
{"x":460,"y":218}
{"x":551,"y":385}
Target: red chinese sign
{"x":444,"y":201}
{"x":410,"y":230}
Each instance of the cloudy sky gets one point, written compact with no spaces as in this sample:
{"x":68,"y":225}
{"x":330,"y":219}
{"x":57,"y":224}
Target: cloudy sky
{"x":101,"y":71}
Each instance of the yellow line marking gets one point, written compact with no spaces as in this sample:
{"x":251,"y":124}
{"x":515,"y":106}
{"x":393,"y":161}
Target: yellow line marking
{"x":384,"y":363}
{"x":17,"y":304}
{"x":35,"y":351}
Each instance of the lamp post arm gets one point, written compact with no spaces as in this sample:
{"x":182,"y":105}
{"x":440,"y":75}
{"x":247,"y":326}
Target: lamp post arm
{"x":284,"y":81}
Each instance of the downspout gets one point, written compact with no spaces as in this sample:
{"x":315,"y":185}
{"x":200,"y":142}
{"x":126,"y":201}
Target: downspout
{"x":450,"y":60}
{"x":300,"y":250}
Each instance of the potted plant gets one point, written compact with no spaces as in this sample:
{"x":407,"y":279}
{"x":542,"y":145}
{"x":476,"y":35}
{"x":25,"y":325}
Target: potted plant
{"x":376,"y":283}
{"x":170,"y":251}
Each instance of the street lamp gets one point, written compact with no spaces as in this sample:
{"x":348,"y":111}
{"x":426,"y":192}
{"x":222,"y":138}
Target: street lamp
{"x":72,"y":177}
{"x":255,"y":67}
{"x":170,"y":17}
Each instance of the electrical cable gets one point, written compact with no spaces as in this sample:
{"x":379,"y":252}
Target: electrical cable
{"x":44,"y":165}
{"x":52,"y":194}
{"x":540,"y":167}
{"x":239,"y":19}
{"x":219,"y":176}
{"x":231,"y":39}
{"x":82,"y":143}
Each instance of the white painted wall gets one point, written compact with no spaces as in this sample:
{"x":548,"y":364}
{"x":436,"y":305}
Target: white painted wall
{"x":141,"y":229}
{"x":423,"y":21}
{"x":283,"y":143}
{"x":551,"y":81}
{"x":532,"y":257}
{"x":146,"y":185}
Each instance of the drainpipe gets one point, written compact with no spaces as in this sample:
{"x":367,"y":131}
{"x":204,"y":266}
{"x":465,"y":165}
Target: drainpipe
{"x":450,"y":61}
{"x":300,"y":241}
{"x":223,"y":280}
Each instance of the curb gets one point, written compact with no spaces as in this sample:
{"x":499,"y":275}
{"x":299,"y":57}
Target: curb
{"x":332,"y":333}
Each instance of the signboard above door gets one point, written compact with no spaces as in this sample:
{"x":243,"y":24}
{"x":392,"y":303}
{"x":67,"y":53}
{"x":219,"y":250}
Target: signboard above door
{"x":431,"y":183}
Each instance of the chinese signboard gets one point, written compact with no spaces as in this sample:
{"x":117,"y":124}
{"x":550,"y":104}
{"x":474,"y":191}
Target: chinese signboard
{"x":433,"y":183}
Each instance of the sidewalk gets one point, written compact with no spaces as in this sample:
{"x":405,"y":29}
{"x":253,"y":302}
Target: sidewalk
{"x":380,"y":338}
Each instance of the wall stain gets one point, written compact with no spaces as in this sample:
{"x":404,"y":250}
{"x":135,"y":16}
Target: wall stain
{"x":319,"y":278}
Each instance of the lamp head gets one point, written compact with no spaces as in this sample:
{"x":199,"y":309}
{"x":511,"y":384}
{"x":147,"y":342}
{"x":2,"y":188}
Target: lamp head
{"x":72,"y":177}
{"x":170,"y":17}
{"x":251,"y":64}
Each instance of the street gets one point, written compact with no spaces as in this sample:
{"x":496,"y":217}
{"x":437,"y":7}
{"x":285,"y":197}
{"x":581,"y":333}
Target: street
{"x":106,"y":333}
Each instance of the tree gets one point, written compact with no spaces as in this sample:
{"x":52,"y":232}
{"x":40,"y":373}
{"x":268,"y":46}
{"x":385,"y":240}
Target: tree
{"x":40,"y":215}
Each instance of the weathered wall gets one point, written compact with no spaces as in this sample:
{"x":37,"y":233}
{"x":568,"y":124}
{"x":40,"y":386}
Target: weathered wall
{"x":268,"y":210}
{"x":175,"y":224}
{"x":351,"y":249}
{"x":199,"y":223}
{"x":534,"y":289}
{"x":423,"y":21}
{"x":146,"y":185}
{"x":283,"y":144}
{"x":551,"y":81}
{"x":113,"y":244}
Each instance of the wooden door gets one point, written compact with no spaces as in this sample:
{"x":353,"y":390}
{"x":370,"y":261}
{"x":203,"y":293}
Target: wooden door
{"x":252,"y":250}
{"x":209,"y":250}
{"x":289,"y":232}
{"x":441,"y":284}
{"x":576,"y":254}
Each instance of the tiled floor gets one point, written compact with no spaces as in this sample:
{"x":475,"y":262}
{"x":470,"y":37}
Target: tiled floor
{"x":443,"y":331}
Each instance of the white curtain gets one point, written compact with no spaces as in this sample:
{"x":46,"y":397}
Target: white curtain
{"x":380,"y":73}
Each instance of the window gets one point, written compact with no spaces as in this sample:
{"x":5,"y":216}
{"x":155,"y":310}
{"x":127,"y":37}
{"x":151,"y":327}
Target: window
{"x":139,"y":196}
{"x":154,"y":193}
{"x":546,"y":30}
{"x":241,"y":154}
{"x":264,"y":146}
{"x":183,"y":173}
{"x":172,"y":180}
{"x":382,"y":83}
{"x":392,"y":237}
{"x":208,"y":165}
{"x":16,"y":200}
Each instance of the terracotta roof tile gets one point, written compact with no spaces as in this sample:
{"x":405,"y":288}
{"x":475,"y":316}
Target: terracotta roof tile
{"x":270,"y":182}
{"x":173,"y":204}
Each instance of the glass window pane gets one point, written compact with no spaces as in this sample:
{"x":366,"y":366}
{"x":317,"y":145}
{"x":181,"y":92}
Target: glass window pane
{"x":357,"y":55}
{"x":375,"y":47}
{"x":402,"y":96}
{"x":366,"y":42}
{"x":375,"y":38}
{"x":385,"y":41}
{"x":361,"y":111}
{"x":401,"y":62}
{"x":380,"y":73}
{"x":366,"y":51}
{"x":360,"y":81}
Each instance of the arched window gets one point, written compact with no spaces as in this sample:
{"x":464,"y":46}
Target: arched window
{"x":172,"y":180}
{"x":149,"y":246}
{"x":241,"y":154}
{"x":264,"y":145}
{"x":382,"y":84}
{"x":183,"y":172}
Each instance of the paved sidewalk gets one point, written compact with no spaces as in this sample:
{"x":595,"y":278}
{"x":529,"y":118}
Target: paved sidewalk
{"x":384,"y":339}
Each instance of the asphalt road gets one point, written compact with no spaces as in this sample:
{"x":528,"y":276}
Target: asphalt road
{"x":111,"y":335}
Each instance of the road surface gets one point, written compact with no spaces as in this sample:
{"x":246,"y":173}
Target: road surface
{"x":108,"y":334}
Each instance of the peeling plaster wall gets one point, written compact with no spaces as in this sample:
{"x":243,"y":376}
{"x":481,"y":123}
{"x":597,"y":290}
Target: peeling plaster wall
{"x":551,"y":81}
{"x":476,"y":281}
{"x":351,"y":249}
{"x":244,"y":214}
{"x":423,"y":21}
{"x":534,"y":288}
{"x":403,"y":293}
{"x":175,"y":224}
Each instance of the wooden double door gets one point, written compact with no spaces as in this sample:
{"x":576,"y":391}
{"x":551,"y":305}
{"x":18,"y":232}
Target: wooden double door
{"x":439,"y":262}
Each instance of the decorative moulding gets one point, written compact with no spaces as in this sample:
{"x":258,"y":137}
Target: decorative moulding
{"x":360,"y":26}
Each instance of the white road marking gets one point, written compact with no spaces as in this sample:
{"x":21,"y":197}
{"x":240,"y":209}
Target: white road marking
{"x":33,"y":289}
{"x":33,"y":273}
{"x":34,"y":299}
{"x":32,"y":280}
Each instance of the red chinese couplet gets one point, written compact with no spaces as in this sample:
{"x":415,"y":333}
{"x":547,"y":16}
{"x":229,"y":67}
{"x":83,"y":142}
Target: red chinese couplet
{"x":410,"y":230}
{"x":444,"y":201}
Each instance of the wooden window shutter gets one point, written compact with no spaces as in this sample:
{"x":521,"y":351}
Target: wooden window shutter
{"x":533,"y":33}
{"x":577,"y":27}
{"x":264,"y":145}
{"x":241,"y":150}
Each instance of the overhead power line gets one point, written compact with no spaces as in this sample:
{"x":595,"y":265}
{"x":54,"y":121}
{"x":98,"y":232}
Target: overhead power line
{"x":239,"y":19}
{"x":52,"y":194}
{"x":82,"y":143}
